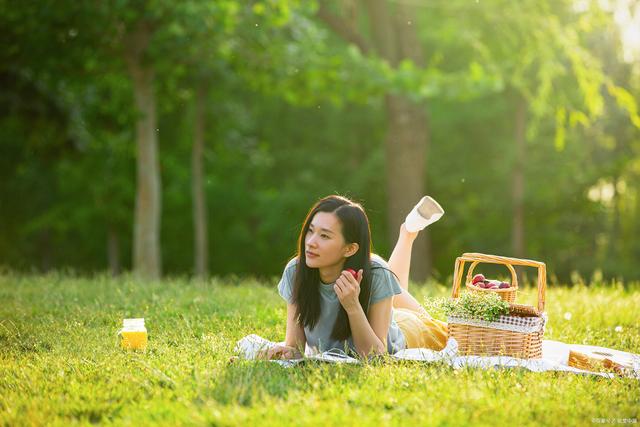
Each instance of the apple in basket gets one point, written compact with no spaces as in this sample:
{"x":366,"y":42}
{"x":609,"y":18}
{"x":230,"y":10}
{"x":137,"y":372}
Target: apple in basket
{"x":477,"y":279}
{"x":504,"y":285}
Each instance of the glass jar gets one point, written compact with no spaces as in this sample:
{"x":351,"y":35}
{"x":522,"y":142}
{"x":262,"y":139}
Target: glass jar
{"x":133,"y":335}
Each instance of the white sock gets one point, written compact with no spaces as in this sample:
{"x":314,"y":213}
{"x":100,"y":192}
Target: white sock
{"x":426,"y":212}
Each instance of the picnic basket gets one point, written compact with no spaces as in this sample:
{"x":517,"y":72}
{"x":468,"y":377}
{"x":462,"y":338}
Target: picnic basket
{"x":518,"y":334}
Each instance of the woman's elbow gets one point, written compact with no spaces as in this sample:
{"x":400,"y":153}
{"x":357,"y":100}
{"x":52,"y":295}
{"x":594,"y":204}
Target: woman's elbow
{"x":375,"y":350}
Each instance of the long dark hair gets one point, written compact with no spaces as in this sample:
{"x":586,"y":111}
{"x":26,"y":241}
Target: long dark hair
{"x":306,"y":288}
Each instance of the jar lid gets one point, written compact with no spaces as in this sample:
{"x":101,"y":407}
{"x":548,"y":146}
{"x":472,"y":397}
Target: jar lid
{"x":133,"y":323}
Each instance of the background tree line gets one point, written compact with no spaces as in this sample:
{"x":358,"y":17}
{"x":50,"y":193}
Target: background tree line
{"x":191,"y":137}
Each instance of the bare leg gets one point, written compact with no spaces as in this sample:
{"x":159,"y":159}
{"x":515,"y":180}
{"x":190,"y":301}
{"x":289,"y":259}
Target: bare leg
{"x":400,"y":264}
{"x":400,"y":260}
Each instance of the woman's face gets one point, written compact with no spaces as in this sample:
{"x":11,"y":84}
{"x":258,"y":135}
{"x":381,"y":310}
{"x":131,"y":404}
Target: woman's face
{"x":324,"y":243}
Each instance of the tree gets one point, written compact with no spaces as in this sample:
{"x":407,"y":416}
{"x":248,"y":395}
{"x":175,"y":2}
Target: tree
{"x":394,"y":39}
{"x":203,"y":40}
{"x":146,"y":233}
{"x":540,"y":51}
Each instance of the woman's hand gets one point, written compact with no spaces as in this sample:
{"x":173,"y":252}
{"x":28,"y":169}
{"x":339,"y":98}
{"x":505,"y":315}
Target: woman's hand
{"x":280,"y":352}
{"x":347,"y":288}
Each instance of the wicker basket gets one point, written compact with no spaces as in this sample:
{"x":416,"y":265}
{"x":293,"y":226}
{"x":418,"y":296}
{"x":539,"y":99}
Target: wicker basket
{"x":518,"y":334}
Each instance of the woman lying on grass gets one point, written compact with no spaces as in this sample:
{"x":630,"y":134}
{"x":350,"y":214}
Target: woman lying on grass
{"x":369,"y":309}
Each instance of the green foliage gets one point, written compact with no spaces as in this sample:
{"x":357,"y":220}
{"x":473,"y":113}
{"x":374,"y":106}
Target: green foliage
{"x":478,"y":305}
{"x":294,"y":113}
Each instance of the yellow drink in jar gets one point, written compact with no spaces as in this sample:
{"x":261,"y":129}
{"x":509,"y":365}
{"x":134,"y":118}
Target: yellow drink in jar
{"x":133,"y":335}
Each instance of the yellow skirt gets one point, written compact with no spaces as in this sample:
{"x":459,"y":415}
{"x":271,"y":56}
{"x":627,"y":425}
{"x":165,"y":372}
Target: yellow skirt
{"x":421,"y":330}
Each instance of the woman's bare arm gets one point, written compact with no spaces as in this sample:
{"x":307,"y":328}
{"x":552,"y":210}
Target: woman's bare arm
{"x":294,"y":342}
{"x":295,"y":336}
{"x":370,"y":335}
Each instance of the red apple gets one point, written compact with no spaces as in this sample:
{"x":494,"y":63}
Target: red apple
{"x":477,"y":278}
{"x":504,"y":285}
{"x":353,"y":273}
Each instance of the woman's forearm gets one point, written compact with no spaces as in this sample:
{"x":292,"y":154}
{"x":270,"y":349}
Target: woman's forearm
{"x":364,"y":338}
{"x":296,"y":339}
{"x":295,"y":336}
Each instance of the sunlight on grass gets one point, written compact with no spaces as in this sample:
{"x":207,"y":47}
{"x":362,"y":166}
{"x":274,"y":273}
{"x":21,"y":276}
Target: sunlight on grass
{"x":60,"y":362}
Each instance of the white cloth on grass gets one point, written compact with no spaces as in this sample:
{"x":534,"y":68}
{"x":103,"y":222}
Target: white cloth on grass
{"x":555,"y":357}
{"x":252,"y":345}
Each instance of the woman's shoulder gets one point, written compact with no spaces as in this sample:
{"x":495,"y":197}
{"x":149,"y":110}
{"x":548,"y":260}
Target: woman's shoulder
{"x":380,"y":270}
{"x":291,"y":265}
{"x":378,"y":262}
{"x":285,"y":286}
{"x":384,"y":282}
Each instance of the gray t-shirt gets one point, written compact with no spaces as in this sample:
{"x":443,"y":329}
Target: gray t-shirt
{"x":383,"y":285}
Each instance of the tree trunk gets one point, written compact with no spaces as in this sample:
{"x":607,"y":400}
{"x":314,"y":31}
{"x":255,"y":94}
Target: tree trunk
{"x":614,"y":238}
{"x":517,"y":179}
{"x":113,"y":251}
{"x":408,"y":132}
{"x":44,"y":248}
{"x":146,"y":238}
{"x":405,"y":148}
{"x":201,"y":251}
{"x":395,"y":39}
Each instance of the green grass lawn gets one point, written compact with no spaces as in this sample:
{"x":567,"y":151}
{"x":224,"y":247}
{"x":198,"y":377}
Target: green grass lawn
{"x":60,"y":363}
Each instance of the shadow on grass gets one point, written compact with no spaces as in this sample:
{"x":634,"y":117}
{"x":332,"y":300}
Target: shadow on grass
{"x":94,"y":415}
{"x":23,"y":344}
{"x":248,"y":382}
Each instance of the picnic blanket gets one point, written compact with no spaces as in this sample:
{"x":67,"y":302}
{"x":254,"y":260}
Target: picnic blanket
{"x":555,"y":357}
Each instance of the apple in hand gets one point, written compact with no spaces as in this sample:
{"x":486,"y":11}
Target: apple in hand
{"x":353,"y":273}
{"x":477,"y":278}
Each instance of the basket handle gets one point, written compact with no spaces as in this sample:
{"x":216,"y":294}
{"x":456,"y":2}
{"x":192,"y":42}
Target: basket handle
{"x":477,"y":258}
{"x":514,"y":276}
